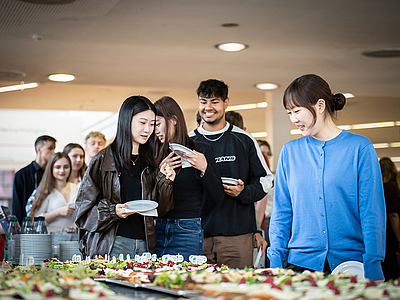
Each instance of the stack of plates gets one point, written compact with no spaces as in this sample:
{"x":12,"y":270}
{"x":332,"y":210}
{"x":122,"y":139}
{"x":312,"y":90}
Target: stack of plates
{"x":36,"y":245}
{"x":15,"y":246}
{"x":68,"y":249}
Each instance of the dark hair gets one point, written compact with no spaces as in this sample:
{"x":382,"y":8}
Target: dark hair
{"x":306,"y":90}
{"x":168,"y":108}
{"x":263,"y":143}
{"x":198,"y":119}
{"x":42,"y":139}
{"x":234,"y":118}
{"x":389,"y":172}
{"x":68,"y":148}
{"x":213,"y":88}
{"x":121,"y":147}
{"x":47,"y":184}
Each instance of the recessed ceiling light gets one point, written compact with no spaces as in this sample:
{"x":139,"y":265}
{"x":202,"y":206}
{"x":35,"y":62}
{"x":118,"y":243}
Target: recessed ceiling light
{"x":266,"y":86}
{"x":61,"y":77}
{"x":231,"y":46}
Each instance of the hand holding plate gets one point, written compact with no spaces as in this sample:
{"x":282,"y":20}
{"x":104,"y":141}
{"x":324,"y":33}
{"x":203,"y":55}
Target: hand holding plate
{"x":197,"y":160}
{"x":121,"y":212}
{"x":234,"y":190}
{"x":173,"y":161}
{"x":261,"y":242}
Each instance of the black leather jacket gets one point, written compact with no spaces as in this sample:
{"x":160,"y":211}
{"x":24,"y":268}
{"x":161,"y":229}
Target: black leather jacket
{"x":98,"y":195}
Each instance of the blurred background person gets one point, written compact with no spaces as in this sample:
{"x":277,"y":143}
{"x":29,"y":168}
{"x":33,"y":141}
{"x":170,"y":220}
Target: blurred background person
{"x":266,"y":150}
{"x":264,"y":206}
{"x":28,"y":178}
{"x":199,"y":120}
{"x":180,"y":230}
{"x":77,"y":155}
{"x":235,"y":118}
{"x":94,"y":142}
{"x":391,"y":188}
{"x":55,"y":197}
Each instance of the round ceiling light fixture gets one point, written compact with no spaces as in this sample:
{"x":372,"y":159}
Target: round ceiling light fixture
{"x":7,"y":74}
{"x":231,"y":47}
{"x":383,"y":53}
{"x":266,"y":86}
{"x":61,"y":77}
{"x":230,"y":25}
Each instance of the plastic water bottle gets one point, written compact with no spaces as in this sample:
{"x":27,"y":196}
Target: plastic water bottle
{"x":12,"y":230}
{"x":27,"y":227}
{"x":40,"y":227}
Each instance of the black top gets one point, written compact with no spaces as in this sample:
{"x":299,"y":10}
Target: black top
{"x":26,"y":181}
{"x":131,"y":189}
{"x":190,"y":188}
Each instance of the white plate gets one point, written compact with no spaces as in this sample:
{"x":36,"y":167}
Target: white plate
{"x":354,"y":268}
{"x":258,"y":258}
{"x":150,"y":213}
{"x":140,"y":205}
{"x":180,"y":149}
{"x":231,"y":181}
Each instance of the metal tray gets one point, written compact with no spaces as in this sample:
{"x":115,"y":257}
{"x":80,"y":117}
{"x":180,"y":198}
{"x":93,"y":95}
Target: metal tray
{"x":180,"y":293}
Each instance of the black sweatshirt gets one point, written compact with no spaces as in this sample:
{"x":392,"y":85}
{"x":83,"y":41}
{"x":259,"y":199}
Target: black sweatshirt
{"x":237,"y":156}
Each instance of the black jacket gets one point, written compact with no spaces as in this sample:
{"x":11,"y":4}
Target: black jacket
{"x":98,"y":195}
{"x":26,"y":181}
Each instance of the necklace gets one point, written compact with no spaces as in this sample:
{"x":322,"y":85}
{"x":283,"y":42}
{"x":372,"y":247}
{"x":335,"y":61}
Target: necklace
{"x":133,"y":162}
{"x":213,"y":140}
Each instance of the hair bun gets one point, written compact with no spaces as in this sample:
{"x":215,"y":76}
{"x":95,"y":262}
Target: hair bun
{"x":339,"y":100}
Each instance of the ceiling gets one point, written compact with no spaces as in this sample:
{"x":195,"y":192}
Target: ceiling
{"x":117,"y":48}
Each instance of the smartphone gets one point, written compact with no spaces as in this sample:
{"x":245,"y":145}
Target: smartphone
{"x":6,"y":212}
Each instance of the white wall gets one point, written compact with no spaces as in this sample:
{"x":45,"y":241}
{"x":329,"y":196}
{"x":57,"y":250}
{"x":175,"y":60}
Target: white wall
{"x":20,"y":128}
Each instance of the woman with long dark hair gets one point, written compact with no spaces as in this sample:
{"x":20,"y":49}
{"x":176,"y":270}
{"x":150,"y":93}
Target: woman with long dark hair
{"x":77,"y":155}
{"x":329,"y":206}
{"x":124,"y":171}
{"x":55,"y":196}
{"x":391,"y":188}
{"x":180,"y":231}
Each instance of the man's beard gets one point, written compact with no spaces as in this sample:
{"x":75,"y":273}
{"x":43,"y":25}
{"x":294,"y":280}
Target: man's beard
{"x":214,"y":121}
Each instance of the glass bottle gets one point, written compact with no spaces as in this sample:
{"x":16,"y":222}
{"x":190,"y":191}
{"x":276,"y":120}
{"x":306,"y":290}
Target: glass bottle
{"x":41,"y":226}
{"x":12,"y":230}
{"x":27,"y":227}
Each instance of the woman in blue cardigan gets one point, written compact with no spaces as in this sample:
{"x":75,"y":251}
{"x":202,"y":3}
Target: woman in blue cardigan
{"x":328,"y":201}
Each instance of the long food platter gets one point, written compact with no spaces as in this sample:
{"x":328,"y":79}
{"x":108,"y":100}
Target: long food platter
{"x":150,"y":287}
